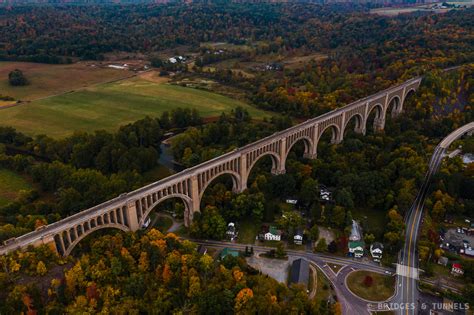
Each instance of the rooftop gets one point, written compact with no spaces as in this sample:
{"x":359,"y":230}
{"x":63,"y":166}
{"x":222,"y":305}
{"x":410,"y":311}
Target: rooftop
{"x":227,"y":251}
{"x":356,"y":244}
{"x":299,"y":272}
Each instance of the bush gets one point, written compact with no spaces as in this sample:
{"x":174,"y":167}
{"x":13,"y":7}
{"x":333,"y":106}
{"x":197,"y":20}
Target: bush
{"x":368,"y":281}
{"x":17,"y":78}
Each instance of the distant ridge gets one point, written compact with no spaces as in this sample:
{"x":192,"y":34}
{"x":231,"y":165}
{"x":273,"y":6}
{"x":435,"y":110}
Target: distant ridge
{"x":99,"y":2}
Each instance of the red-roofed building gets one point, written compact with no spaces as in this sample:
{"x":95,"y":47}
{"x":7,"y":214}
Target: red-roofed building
{"x":457,"y":269}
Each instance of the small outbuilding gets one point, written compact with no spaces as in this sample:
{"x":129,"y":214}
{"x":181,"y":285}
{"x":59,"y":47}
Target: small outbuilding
{"x":443,"y":261}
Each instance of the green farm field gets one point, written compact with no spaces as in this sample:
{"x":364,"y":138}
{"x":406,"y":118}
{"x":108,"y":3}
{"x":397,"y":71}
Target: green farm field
{"x":110,"y":105}
{"x":11,"y":184}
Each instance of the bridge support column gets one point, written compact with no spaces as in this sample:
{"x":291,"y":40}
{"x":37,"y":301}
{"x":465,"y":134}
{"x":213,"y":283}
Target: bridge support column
{"x":244,"y":174}
{"x":338,"y":138}
{"x":379,"y":124}
{"x":361,"y":130}
{"x":310,"y":155}
{"x":195,"y":200}
{"x":132,"y":216}
{"x":395,"y":113}
{"x":313,"y":148}
{"x":280,"y":167}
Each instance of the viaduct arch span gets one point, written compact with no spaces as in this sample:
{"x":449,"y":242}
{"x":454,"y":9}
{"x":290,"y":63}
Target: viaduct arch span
{"x":129,"y":211}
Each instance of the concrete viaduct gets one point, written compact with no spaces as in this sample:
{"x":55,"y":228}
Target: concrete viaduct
{"x":129,"y":211}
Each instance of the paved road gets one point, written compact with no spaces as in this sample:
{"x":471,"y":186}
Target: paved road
{"x":407,"y":297}
{"x":349,"y":302}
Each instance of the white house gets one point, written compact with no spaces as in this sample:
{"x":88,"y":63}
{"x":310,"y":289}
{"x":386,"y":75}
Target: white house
{"x":231,"y":231}
{"x":298,"y":238}
{"x":273,"y":234}
{"x":376,"y":250}
{"x":356,"y":249}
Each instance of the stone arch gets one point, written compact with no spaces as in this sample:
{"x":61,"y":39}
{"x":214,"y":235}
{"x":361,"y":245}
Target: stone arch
{"x":379,"y":115}
{"x":308,"y":146}
{"x":359,"y":126}
{"x":408,"y":94}
{"x":73,"y":244}
{"x":335,"y":132}
{"x":236,"y":182}
{"x":276,"y":161}
{"x":188,"y":204}
{"x":394,"y":106}
{"x":335,"y":136}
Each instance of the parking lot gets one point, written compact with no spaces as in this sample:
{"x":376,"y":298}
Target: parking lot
{"x":275,"y":268}
{"x":455,"y":237}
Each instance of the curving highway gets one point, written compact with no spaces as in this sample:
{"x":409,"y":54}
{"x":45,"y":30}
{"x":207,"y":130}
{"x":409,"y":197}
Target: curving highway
{"x":407,"y":300}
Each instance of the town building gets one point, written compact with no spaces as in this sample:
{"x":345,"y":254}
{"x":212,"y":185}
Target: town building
{"x":231,"y":231}
{"x":443,"y":261}
{"x":202,"y":250}
{"x":457,"y":269}
{"x":324,"y":193}
{"x":298,"y":238}
{"x":376,"y":250}
{"x":299,"y":272}
{"x":356,"y":249}
{"x":270,"y":233}
{"x":273,"y":234}
{"x":356,"y":234}
{"x":228,"y":252}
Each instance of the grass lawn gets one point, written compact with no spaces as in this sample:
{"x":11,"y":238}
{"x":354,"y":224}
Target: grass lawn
{"x":10,"y":185}
{"x":382,"y":288}
{"x":335,"y":267}
{"x":108,"y":106}
{"x":323,"y":290}
{"x":248,"y":230}
{"x":46,"y":79}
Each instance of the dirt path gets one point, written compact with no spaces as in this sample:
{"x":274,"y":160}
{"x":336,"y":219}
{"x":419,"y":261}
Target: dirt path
{"x":153,"y":76}
{"x":173,"y":228}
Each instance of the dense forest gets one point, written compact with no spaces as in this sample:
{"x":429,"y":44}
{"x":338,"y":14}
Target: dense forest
{"x":133,"y":274}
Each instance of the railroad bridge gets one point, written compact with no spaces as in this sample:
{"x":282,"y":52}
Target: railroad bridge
{"x":129,"y":211}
